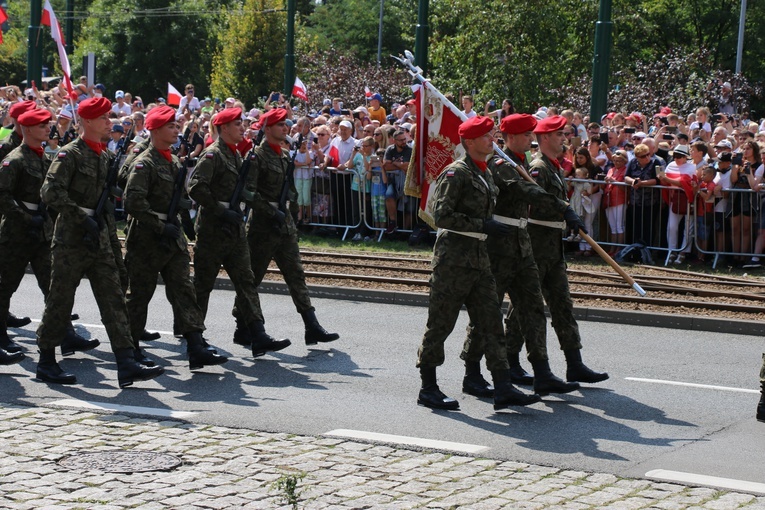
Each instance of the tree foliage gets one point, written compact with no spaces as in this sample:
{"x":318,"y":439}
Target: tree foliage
{"x":250,"y":60}
{"x":142,"y":53}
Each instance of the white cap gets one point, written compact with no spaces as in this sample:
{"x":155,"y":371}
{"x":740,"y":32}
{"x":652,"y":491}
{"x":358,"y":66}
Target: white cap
{"x":347,"y":124}
{"x":726,"y":85}
{"x":639,"y":134}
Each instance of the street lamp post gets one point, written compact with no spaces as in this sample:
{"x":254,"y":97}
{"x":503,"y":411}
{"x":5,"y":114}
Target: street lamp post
{"x":600,"y":61}
{"x":379,"y":35}
{"x":421,"y":37}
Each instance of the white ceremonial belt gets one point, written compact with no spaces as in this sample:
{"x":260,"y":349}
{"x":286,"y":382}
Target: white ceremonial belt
{"x":476,"y":235}
{"x":89,"y":212}
{"x":551,"y":224}
{"x":161,"y":216}
{"x":29,"y":205}
{"x":513,"y":222}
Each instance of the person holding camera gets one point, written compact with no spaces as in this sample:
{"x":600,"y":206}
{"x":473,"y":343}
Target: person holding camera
{"x":745,"y":176}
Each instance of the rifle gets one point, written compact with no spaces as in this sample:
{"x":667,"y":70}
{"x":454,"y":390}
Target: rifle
{"x":177,"y":202}
{"x":110,"y":189}
{"x":239,"y":192}
{"x":288,"y":181}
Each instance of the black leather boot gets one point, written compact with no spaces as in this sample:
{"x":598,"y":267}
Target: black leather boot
{"x":262,"y":342}
{"x":7,"y":344}
{"x":242,"y":333}
{"x":17,"y":322}
{"x":506,"y":395}
{"x":148,"y":336}
{"x":200,"y":353}
{"x":75,"y":343}
{"x":140,"y":356}
{"x":473,"y":383}
{"x":430,"y":395}
{"x":129,"y":370}
{"x":314,"y":333}
{"x":9,"y":358}
{"x":761,"y":405}
{"x":578,"y":371}
{"x":545,"y":382}
{"x":517,"y":373}
{"x":49,"y":371}
{"x":74,"y":316}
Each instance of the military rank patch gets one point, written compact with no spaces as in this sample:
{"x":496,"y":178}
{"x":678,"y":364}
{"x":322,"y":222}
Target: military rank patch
{"x":139,"y":165}
{"x":6,"y":163}
{"x":61,"y":155}
{"x":535,"y":173}
{"x":209,"y":155}
{"x":450,"y":173}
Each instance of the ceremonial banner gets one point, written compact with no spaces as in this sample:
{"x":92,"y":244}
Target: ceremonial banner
{"x":299,"y":91}
{"x":437,"y":144}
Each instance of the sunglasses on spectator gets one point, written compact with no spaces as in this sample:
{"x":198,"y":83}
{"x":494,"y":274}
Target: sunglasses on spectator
{"x":643,"y":156}
{"x":323,"y":134}
{"x":127,"y":123}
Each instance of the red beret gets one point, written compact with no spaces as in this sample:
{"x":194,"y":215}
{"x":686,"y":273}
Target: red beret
{"x":611,"y":115}
{"x":19,"y":108}
{"x":273,"y":116}
{"x":158,"y":117}
{"x":411,"y":101}
{"x":94,"y":107}
{"x":518,"y":123}
{"x":550,"y":124}
{"x":475,"y":127}
{"x":227,"y":115}
{"x":34,"y":117}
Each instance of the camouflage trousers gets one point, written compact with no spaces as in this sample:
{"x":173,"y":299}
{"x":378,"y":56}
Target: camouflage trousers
{"x":68,"y":266}
{"x":15,"y":256}
{"x":173,"y":264}
{"x":554,"y":282}
{"x":283,"y":249}
{"x":762,"y":369}
{"x":520,"y":280}
{"x":219,"y":248}
{"x":450,"y":288}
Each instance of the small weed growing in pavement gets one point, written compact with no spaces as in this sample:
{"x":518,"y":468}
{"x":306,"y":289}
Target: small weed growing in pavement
{"x":288,"y":486}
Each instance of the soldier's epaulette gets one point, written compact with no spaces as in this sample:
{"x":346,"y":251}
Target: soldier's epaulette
{"x":210,"y":155}
{"x":61,"y":155}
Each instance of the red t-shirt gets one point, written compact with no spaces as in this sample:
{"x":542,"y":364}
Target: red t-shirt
{"x":701,"y":205}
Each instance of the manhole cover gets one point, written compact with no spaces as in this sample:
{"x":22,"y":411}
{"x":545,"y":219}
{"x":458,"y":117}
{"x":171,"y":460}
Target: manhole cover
{"x":121,"y":462}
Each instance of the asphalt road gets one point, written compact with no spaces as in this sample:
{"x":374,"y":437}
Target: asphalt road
{"x":367,"y":382}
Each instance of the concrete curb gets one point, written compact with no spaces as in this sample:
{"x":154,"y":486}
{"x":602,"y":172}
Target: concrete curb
{"x":674,"y":321}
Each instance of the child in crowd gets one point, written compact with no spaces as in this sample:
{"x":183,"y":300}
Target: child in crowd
{"x":379,"y":183}
{"x":580,"y":192}
{"x":615,"y":199}
{"x":705,"y":203}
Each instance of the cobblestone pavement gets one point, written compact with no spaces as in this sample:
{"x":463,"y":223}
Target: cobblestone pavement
{"x":237,"y":468}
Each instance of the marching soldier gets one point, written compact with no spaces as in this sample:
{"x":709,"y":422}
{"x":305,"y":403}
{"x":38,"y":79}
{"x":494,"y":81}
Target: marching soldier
{"x":761,"y":404}
{"x":271,"y":231}
{"x":155,"y":243}
{"x":220,"y":229}
{"x":73,"y":187}
{"x":546,"y":226}
{"x":5,"y":148}
{"x":463,"y":203}
{"x":25,"y":233}
{"x":513,"y":266}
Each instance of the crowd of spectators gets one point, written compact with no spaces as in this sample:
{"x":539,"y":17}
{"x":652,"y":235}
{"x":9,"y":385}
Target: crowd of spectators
{"x":686,"y":184}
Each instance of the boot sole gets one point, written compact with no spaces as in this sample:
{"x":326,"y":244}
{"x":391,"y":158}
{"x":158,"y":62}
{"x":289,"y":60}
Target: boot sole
{"x":592,"y":380}
{"x":479,"y":394}
{"x":314,"y":342}
{"x":14,"y":360}
{"x":71,"y":350}
{"x":15,"y":324}
{"x":550,"y":392}
{"x":124,"y":383}
{"x":150,"y":337}
{"x":505,"y":405}
{"x":262,"y":352}
{"x":430,"y":405}
{"x":55,"y":381}
{"x":197,"y":366}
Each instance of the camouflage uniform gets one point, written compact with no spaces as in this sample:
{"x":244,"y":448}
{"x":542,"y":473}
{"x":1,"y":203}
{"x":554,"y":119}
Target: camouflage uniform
{"x":75,"y":181}
{"x":267,"y":175}
{"x":512,"y":262}
{"x":6,"y":147}
{"x":463,"y":199}
{"x":218,"y":242}
{"x":122,"y":176}
{"x":148,"y":194}
{"x":21,"y":243}
{"x":547,"y":244}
